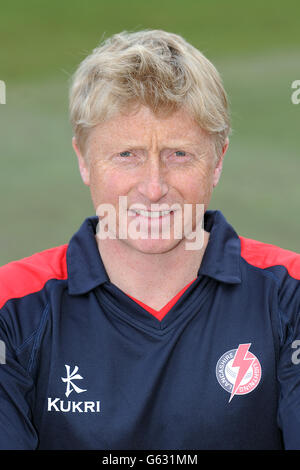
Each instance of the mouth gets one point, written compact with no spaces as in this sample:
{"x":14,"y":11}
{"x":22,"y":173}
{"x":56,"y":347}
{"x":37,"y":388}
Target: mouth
{"x":150,"y":214}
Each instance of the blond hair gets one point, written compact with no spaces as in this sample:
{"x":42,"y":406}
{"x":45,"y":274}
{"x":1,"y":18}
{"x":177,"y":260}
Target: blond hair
{"x":154,"y":68}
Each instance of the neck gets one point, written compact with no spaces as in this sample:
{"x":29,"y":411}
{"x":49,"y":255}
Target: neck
{"x":154,"y":279}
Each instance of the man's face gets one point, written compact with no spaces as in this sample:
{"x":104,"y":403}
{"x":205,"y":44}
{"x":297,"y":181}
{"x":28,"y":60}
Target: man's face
{"x":152,"y":161}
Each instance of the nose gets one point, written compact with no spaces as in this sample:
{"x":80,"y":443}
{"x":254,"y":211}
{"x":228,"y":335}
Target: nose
{"x":152,"y":184}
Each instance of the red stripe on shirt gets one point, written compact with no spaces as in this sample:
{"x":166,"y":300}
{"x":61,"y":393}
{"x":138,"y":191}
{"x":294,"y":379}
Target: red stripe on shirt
{"x":159,"y":314}
{"x":29,"y":275}
{"x":263,"y":255}
{"x":259,"y":254}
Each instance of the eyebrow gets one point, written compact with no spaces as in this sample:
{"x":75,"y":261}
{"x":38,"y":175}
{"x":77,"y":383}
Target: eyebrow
{"x":171,"y":145}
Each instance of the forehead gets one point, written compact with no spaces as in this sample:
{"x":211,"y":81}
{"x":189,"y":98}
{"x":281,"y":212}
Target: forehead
{"x":143,"y":127}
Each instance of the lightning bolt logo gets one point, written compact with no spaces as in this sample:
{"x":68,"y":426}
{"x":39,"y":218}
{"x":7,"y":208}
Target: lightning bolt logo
{"x":243,"y":362}
{"x":238,"y":371}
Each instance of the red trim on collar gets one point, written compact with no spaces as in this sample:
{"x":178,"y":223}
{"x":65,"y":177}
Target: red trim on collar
{"x":159,"y":314}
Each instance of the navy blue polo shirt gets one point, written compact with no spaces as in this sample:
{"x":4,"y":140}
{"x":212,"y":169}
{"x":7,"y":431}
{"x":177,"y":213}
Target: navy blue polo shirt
{"x":88,"y":367}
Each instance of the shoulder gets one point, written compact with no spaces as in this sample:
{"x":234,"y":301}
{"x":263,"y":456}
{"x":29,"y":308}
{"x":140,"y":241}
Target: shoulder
{"x":264,"y":255}
{"x":28,"y":275}
{"x":283,"y":266}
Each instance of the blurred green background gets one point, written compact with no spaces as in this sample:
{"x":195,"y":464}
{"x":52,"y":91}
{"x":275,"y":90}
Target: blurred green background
{"x":254,"y":45}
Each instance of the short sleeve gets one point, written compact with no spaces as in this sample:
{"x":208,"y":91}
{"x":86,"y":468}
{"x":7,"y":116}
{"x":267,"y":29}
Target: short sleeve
{"x":289,"y":372}
{"x":17,"y":389}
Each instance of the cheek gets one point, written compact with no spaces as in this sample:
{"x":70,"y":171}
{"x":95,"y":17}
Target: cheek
{"x":106,"y":184}
{"x":195,"y":186}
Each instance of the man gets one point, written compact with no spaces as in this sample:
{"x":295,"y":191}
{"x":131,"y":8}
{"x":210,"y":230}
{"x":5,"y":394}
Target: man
{"x":156,"y":326}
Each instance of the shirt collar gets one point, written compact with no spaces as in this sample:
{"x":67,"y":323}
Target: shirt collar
{"x":221,"y":259}
{"x":84,"y":264}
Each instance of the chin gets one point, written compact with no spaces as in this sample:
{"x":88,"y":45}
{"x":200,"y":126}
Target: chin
{"x":153,"y":246}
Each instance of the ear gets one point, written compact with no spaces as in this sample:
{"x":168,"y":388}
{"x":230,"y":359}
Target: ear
{"x":219,"y":166}
{"x":82,"y":163}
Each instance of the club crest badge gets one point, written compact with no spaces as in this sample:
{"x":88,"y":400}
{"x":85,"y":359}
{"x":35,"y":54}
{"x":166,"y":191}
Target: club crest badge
{"x":238,"y":371}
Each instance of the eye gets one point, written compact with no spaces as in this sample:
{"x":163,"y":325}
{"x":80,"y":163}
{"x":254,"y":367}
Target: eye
{"x":126,"y":153}
{"x":180,"y":153}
